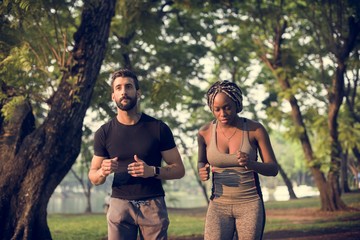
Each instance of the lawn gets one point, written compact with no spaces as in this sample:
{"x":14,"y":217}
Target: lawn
{"x":293,"y":218}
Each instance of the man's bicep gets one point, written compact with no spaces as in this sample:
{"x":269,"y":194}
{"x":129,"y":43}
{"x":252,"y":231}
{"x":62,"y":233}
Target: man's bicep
{"x":171,"y":156}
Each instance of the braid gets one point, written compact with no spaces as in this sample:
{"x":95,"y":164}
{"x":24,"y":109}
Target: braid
{"x":230,"y":89}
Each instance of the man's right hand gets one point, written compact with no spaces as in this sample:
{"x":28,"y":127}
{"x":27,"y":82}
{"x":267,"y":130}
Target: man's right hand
{"x":108,"y":166}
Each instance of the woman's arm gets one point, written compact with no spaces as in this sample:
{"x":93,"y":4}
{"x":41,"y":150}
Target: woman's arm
{"x":203,"y":165}
{"x":268,"y":166}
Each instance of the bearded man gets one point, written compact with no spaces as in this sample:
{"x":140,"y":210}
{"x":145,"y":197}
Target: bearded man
{"x":132,"y":146}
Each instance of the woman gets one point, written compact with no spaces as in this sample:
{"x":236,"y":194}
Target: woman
{"x":229,"y":144}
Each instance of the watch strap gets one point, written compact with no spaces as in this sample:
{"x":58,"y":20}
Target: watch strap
{"x":156,"y":171}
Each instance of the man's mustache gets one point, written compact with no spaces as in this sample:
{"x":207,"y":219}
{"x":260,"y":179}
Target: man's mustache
{"x":127,"y":98}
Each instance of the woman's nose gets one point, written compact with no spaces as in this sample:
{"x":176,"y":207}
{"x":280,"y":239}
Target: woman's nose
{"x":223,"y":113}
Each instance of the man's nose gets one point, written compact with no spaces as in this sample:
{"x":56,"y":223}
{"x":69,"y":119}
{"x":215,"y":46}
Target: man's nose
{"x":123,"y":92}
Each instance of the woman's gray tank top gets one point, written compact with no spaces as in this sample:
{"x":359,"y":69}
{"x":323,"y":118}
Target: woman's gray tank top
{"x":232,"y":183}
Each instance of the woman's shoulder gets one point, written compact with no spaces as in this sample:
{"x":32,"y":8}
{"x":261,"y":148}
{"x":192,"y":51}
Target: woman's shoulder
{"x":206,"y":127}
{"x":252,"y":122}
{"x":204,"y":133}
{"x":253,"y":125}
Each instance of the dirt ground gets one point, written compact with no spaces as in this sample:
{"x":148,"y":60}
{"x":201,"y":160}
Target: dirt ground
{"x":298,"y":216}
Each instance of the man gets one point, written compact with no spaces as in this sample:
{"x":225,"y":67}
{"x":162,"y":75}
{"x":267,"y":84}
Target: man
{"x":132,"y":146}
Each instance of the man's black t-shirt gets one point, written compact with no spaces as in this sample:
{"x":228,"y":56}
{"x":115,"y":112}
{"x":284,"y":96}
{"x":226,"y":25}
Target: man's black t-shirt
{"x":147,"y":138}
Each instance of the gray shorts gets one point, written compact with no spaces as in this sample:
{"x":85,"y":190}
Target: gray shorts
{"x":148,"y":217}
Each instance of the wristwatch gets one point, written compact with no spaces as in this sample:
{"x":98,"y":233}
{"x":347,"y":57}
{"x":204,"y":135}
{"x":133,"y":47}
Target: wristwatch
{"x":156,"y":171}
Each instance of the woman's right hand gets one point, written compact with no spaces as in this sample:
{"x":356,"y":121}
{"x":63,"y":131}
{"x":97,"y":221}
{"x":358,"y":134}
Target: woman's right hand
{"x":204,"y":172}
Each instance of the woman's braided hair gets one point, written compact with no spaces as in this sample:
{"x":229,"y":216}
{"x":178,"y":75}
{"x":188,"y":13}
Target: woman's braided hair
{"x":230,"y":89}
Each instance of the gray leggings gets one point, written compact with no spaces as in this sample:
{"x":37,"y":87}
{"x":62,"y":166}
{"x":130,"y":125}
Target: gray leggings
{"x":248,"y":219}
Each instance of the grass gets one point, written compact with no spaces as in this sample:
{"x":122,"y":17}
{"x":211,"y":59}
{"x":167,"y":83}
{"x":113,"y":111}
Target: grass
{"x":77,"y":226}
{"x":310,"y":219}
{"x":93,"y":226}
{"x":310,"y":202}
{"x":181,"y":225}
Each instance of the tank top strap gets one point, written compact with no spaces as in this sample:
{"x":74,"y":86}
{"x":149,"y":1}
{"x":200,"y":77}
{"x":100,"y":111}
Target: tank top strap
{"x":245,"y":132}
{"x":246,"y":129}
{"x":213,"y":131}
{"x":245,"y":126}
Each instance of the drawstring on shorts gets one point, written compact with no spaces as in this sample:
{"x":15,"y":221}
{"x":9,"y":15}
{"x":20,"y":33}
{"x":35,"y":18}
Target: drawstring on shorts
{"x":137,"y":203}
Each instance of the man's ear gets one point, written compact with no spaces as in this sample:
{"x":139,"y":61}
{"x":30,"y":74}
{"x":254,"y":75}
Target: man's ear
{"x":138,"y":94}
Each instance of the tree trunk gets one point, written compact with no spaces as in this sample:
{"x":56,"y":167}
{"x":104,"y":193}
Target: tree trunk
{"x":319,"y":177}
{"x":344,"y":183}
{"x":34,"y":161}
{"x":356,"y":153}
{"x":336,"y":97}
{"x":287,"y":183}
{"x":88,"y":208}
{"x":330,"y":199}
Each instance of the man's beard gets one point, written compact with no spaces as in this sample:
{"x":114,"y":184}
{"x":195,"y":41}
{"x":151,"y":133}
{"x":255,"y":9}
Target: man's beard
{"x":128,"y":106}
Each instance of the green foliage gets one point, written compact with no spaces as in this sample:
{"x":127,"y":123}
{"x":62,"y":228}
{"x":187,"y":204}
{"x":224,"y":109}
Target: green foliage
{"x":166,"y":43}
{"x":349,"y":131}
{"x":18,"y":7}
{"x":235,"y":37}
{"x":35,"y":51}
{"x":164,"y":87}
{"x":9,"y":108}
{"x":289,"y":155}
{"x":18,"y":63}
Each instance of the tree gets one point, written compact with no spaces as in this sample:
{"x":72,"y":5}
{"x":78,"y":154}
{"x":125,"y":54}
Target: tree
{"x":162,"y":42}
{"x":81,"y":173}
{"x":280,"y":58}
{"x":336,"y":32}
{"x":36,"y":158}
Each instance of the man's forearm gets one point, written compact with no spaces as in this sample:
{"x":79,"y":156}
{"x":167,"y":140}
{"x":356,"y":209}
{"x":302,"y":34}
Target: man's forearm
{"x":172,"y":171}
{"x":96,"y":177}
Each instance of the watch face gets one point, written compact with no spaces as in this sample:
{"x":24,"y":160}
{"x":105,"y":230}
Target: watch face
{"x":157,"y":170}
